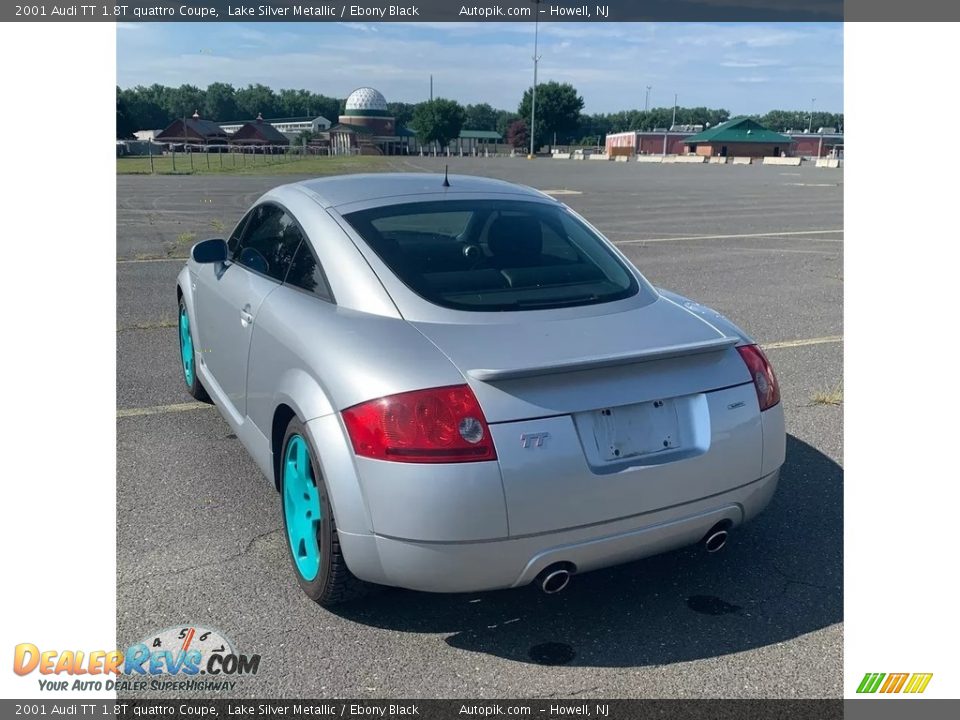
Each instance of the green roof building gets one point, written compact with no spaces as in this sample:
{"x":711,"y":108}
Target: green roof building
{"x":738,"y":137}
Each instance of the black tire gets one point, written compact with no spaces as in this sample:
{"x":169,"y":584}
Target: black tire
{"x":194,"y":386}
{"x":334,"y":583}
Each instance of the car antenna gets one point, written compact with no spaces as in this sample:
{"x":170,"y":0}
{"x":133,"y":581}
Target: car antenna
{"x":446,"y":181}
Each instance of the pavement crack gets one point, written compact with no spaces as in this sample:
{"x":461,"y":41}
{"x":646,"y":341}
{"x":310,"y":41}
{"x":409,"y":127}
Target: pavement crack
{"x":245,"y":550}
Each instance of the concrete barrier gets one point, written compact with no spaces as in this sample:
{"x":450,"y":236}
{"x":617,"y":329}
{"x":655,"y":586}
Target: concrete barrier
{"x":561,"y":156}
{"x":828,"y":162}
{"x":782,"y":161}
{"x":669,"y":159}
{"x":742,"y":161}
{"x":717,"y":160}
{"x":692,"y":159}
{"x":599,"y":156}
{"x":650,"y":158}
{"x":621,"y":158}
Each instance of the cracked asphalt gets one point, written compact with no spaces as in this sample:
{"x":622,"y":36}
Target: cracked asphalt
{"x":199,"y":538}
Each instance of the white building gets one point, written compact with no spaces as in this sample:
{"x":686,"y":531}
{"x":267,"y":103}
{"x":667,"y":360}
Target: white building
{"x":291,"y":126}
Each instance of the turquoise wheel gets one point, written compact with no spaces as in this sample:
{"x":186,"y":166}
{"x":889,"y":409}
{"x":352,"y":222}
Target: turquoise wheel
{"x":188,"y":355}
{"x":186,"y":346}
{"x":301,"y":508}
{"x":311,"y":529}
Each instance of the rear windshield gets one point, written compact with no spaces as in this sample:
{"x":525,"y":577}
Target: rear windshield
{"x":494,"y":255}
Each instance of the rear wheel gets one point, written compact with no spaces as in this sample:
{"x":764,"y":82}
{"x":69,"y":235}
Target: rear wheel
{"x":188,"y":356}
{"x":311,"y":530}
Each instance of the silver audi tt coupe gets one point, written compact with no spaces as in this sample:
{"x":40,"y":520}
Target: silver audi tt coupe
{"x":458,"y":384}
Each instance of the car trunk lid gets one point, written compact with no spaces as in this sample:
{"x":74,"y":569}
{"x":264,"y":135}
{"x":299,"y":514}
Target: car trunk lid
{"x":609,"y":416}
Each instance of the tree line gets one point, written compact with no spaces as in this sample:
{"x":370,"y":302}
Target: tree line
{"x":559,"y":119}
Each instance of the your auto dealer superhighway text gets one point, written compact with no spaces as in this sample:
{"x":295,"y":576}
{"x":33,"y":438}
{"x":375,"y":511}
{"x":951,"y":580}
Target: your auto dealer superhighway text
{"x":330,"y":11}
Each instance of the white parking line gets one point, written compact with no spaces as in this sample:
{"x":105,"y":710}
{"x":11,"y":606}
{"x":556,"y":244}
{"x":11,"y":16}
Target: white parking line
{"x":123,"y":261}
{"x":186,"y":407}
{"x":826,"y":339}
{"x":786,"y":233}
{"x":162,"y":409}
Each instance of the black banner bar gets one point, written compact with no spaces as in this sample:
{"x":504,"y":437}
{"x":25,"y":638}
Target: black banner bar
{"x":427,"y":10}
{"x":824,"y":709}
{"x":481,"y":11}
{"x":432,"y":709}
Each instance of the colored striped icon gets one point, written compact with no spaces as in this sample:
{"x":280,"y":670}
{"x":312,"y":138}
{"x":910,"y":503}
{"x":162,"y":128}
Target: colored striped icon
{"x":894,"y":682}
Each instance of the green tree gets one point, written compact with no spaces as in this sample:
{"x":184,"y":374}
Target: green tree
{"x":183,"y":101}
{"x":402,"y":112}
{"x":438,"y":121}
{"x":329,"y":107}
{"x":295,"y":103}
{"x":255,"y":99}
{"x":504,"y":119}
{"x":219,"y":102}
{"x":558,"y":111}
{"x":125,"y":127}
{"x":481,"y":116}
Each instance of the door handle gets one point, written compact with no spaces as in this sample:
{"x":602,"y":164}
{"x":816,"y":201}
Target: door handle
{"x":246,"y":318}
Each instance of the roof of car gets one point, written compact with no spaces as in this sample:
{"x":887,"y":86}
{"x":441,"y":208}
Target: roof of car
{"x":341,"y":189}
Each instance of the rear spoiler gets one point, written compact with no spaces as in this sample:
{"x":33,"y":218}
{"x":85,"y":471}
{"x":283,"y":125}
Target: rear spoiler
{"x":603,"y":361}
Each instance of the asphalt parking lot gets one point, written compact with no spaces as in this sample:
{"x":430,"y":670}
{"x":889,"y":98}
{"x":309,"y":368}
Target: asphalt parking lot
{"x":199,"y":533}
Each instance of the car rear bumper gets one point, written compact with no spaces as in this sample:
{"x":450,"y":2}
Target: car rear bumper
{"x":496,"y":564}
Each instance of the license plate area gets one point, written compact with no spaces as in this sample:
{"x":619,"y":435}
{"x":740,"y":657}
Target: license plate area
{"x":638,"y":430}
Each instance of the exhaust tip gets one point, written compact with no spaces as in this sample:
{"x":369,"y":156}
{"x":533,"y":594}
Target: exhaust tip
{"x":555,"y":578}
{"x":715,"y":541}
{"x":555,"y":582}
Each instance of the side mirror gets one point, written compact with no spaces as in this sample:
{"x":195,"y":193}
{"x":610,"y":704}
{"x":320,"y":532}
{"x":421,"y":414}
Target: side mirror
{"x":209,"y":251}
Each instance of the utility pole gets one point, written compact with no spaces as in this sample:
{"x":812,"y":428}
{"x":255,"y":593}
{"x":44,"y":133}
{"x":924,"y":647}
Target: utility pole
{"x":672,"y":124}
{"x":431,"y":88}
{"x":810,"y":122}
{"x":646,"y":102}
{"x":536,"y":61}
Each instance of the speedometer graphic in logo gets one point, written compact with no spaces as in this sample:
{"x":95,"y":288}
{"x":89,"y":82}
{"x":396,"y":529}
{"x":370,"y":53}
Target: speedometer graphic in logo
{"x":183,"y":639}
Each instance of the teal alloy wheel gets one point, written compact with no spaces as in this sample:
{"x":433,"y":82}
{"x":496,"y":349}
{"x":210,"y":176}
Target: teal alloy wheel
{"x":301,"y":506}
{"x":186,"y":346}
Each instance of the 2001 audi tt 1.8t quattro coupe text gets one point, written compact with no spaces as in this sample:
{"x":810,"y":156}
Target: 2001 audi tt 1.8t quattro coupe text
{"x":461,"y":385}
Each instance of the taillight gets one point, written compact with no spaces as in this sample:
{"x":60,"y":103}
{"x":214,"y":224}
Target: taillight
{"x":440,"y":425}
{"x":765,"y":382}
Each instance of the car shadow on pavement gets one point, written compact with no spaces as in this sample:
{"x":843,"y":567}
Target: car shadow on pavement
{"x":780,"y":576}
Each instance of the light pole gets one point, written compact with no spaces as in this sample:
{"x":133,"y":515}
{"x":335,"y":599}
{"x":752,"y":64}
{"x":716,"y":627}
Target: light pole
{"x":536,"y":61}
{"x":646,"y":102}
{"x":810,"y":122}
{"x":672,"y":123}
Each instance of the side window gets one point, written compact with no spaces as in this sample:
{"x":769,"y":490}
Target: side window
{"x":306,"y":273}
{"x":269,"y":240}
{"x":234,"y":242}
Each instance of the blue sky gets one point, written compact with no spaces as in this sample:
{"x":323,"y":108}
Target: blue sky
{"x":743,"y":67}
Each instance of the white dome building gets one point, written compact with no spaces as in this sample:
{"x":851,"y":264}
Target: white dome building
{"x":367,"y":127}
{"x":365,"y":100}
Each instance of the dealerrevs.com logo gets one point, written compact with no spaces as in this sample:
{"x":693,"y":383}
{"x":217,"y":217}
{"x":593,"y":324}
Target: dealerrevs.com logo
{"x":187,"y":657}
{"x":910,"y":683}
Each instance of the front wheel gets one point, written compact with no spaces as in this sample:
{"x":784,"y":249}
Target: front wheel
{"x":311,"y":530}
{"x":188,"y":356}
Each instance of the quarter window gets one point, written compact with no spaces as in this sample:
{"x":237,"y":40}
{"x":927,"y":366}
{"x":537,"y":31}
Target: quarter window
{"x":269,"y":241}
{"x":307,"y":274}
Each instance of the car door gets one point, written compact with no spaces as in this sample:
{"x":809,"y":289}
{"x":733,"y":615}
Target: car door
{"x":230,"y":296}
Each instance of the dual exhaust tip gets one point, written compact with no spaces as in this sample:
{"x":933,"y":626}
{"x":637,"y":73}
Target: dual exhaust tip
{"x":716,"y":538}
{"x":556,"y":578}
